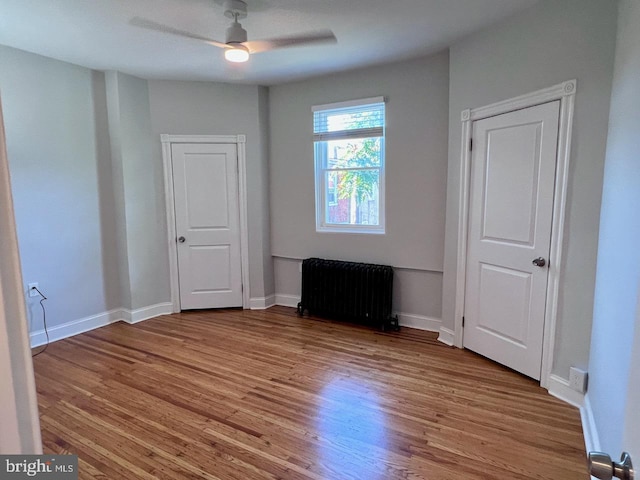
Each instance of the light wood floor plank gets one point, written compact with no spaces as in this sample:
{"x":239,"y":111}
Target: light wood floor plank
{"x":234,"y":394}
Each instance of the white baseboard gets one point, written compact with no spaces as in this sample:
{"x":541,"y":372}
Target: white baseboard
{"x":410,"y":320}
{"x":447,"y":336}
{"x":559,"y":388}
{"x":145,"y":313}
{"x":262,"y":303}
{"x":419,"y":322}
{"x":75,"y":327}
{"x":589,"y":428}
{"x":69,"y":329}
{"x":287,"y":300}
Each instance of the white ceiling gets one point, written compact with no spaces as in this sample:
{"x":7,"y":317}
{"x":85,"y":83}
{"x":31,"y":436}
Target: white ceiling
{"x":96,"y":34}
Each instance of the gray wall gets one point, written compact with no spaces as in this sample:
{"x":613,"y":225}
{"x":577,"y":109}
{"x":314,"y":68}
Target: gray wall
{"x":265,"y":144}
{"x":84,"y":151}
{"x":53,"y":115}
{"x":84,"y":197}
{"x":554,"y":41}
{"x":223,"y":109}
{"x":616,"y":308}
{"x":144,"y":272}
{"x":416,"y":162}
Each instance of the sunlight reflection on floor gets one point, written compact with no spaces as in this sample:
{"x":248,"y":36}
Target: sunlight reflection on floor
{"x":352,"y":430}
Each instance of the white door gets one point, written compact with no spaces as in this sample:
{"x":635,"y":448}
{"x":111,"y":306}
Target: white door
{"x":205,"y":177}
{"x":511,"y":205}
{"x":631,"y":440}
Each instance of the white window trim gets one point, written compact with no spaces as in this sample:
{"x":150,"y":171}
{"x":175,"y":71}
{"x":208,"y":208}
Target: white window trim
{"x":319,"y":169}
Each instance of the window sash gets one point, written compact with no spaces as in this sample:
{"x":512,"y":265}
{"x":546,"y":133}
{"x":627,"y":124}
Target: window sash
{"x":320,"y":152}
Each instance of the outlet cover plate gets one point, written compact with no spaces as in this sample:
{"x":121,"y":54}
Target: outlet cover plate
{"x":578,"y":379}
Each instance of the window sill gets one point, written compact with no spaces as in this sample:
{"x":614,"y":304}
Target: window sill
{"x":350,"y":229}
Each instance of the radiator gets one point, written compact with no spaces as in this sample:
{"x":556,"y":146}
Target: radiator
{"x":359,"y":292}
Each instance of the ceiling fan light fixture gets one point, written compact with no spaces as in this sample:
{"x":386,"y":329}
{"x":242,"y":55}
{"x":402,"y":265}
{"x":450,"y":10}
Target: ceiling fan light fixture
{"x":236,"y":47}
{"x":237,"y":54}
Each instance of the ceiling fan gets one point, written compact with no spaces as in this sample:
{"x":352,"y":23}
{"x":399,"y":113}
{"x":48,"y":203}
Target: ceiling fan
{"x":236,"y":47}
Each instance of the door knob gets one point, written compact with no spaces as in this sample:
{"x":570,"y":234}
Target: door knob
{"x":539,"y":262}
{"x":181,"y":239}
{"x":601,"y":466}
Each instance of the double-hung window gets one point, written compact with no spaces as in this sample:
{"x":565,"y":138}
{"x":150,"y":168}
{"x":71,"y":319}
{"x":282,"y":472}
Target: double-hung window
{"x":349,"y":166}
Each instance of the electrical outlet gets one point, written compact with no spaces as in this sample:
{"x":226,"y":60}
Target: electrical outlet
{"x":578,"y":379}
{"x":32,"y":292}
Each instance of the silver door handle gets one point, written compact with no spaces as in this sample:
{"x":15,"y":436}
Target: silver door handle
{"x":539,"y":262}
{"x":601,"y":466}
{"x":181,"y":239}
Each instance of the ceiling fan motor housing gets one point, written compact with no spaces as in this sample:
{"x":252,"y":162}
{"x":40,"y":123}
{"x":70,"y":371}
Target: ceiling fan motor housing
{"x":236,"y":34}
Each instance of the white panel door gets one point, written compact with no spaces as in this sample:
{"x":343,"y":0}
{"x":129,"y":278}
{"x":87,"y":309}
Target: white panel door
{"x":631,"y":439}
{"x":205,"y":178}
{"x":510,"y":213}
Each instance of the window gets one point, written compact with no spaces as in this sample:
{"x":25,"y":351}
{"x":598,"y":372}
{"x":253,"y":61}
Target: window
{"x":349,"y":165}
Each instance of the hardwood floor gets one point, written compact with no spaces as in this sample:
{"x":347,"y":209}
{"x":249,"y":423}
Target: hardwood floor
{"x":237,"y":394}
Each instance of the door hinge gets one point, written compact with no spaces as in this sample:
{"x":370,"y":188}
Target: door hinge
{"x":462,"y":322}
{"x":471,"y":144}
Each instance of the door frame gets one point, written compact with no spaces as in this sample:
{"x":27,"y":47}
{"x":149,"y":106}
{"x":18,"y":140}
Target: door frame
{"x":564,"y":92}
{"x":20,"y":432}
{"x":240,"y":142}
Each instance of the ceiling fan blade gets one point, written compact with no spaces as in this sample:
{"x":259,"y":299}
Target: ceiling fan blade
{"x":321,"y":36}
{"x":158,"y":27}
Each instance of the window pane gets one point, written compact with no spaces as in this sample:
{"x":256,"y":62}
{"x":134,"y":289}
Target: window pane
{"x":356,"y":197}
{"x":354,"y":153}
{"x":332,"y":193}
